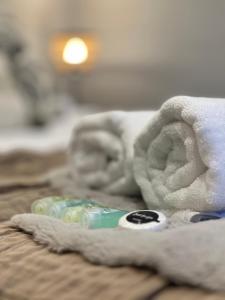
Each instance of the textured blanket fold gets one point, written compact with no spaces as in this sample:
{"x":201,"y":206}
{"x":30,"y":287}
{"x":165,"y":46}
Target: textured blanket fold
{"x":180,"y":157}
{"x":192,"y":254}
{"x":101,"y":150}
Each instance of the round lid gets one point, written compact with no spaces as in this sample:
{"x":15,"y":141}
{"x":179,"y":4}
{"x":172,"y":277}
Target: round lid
{"x":144,"y":219}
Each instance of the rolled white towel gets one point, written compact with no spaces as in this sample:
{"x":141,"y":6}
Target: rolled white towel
{"x":101,"y":150}
{"x":180,"y":157}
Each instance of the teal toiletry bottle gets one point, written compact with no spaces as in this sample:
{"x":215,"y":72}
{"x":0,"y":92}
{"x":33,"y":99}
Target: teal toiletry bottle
{"x":95,"y":218}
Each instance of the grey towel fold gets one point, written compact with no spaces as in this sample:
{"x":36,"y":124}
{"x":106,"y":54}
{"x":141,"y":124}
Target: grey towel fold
{"x":192,"y":254}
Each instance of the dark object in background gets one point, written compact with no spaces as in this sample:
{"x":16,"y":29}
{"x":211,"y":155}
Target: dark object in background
{"x":34,"y":82}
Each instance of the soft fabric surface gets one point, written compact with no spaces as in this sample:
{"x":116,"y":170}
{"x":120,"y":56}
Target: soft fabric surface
{"x":32,"y":272}
{"x":55,"y":136}
{"x":178,"y":165}
{"x":24,"y":178}
{"x":101,"y":151}
{"x":192,"y":254}
{"x":179,"y":158}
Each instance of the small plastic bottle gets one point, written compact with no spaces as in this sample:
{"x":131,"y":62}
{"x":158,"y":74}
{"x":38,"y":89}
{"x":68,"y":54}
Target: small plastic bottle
{"x":98,"y":217}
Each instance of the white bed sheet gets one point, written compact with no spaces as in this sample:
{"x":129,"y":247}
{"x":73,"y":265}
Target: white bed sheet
{"x":55,"y":136}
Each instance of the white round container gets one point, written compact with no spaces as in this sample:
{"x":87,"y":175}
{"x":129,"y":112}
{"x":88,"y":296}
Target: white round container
{"x":144,"y":219}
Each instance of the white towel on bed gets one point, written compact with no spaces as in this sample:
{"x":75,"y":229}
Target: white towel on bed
{"x":180,"y":157}
{"x":101,"y":150}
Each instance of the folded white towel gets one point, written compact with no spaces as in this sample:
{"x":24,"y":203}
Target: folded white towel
{"x":101,"y":150}
{"x":180,"y":157}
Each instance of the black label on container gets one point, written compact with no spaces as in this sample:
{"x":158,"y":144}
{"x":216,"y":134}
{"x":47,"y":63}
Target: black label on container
{"x":143,"y":216}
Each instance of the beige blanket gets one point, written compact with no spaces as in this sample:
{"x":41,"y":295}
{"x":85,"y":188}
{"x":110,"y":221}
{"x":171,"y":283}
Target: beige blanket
{"x":31,"y":272}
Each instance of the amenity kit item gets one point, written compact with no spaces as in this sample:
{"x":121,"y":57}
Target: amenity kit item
{"x":92,"y":215}
{"x":101,"y":151}
{"x":87,"y":213}
{"x":56,"y":206}
{"x":41,"y":206}
{"x":196,"y":217}
{"x":144,"y":219}
{"x":101,"y":218}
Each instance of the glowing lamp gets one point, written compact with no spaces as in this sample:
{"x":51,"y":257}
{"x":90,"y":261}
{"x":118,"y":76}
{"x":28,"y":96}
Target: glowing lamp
{"x":73,"y":51}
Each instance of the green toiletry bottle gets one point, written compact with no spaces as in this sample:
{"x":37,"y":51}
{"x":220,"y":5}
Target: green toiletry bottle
{"x":98,"y":217}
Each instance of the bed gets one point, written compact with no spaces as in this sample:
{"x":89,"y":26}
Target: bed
{"x":29,"y":271}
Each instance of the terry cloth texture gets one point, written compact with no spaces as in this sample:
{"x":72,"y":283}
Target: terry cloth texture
{"x":182,"y":254}
{"x":179,"y":157}
{"x":31,"y":272}
{"x":101,"y":150}
{"x":192,"y":254}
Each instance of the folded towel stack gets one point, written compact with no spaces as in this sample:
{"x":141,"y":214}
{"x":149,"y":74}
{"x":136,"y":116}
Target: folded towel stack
{"x":179,"y":156}
{"x":101,"y":150}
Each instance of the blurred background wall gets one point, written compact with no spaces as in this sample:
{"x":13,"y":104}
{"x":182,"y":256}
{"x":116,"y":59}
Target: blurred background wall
{"x":149,"y":50}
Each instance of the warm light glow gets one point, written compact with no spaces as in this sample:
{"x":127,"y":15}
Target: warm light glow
{"x":75,"y":51}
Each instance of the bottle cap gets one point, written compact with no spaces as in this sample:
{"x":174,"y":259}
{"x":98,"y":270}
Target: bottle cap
{"x":144,"y":219}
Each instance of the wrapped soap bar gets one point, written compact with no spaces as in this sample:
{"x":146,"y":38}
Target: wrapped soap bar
{"x":70,"y":212}
{"x":95,"y":218}
{"x":54,"y":205}
{"x":73,"y":214}
{"x":57,"y":210}
{"x":41,"y":206}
